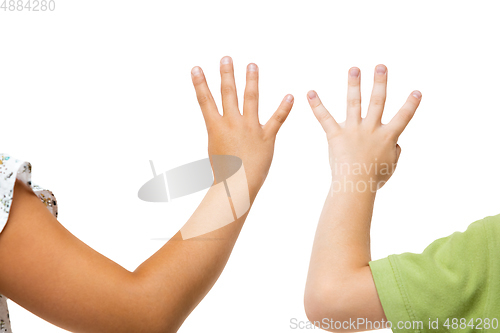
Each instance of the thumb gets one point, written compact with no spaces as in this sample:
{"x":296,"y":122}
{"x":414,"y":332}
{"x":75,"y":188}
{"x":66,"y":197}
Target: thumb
{"x":398,"y":151}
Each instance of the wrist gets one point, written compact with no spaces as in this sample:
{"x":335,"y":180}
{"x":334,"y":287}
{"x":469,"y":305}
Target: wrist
{"x":253,"y":189}
{"x":355,"y":183}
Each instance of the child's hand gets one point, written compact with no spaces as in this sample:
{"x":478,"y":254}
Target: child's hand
{"x":364,"y":148}
{"x":236,"y":134}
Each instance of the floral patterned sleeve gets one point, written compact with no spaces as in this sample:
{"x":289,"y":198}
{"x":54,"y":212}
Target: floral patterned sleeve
{"x":12,"y":169}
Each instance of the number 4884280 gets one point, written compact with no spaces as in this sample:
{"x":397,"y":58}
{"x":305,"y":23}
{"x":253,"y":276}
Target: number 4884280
{"x":28,"y":5}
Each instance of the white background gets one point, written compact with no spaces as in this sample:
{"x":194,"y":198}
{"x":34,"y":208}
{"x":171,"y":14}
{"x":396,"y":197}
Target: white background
{"x":91,"y":92}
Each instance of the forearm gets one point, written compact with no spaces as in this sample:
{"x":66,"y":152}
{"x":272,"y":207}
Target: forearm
{"x":339,"y":282}
{"x":342,"y":241}
{"x":182,"y":272}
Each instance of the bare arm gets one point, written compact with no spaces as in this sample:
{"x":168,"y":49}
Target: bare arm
{"x":363,"y":156}
{"x":53,"y":274}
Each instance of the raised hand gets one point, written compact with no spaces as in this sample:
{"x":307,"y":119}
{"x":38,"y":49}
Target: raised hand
{"x":364,"y":147}
{"x":234,"y":133}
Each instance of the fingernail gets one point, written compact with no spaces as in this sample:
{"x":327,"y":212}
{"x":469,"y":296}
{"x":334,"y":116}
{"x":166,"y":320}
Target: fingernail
{"x":417,"y":94}
{"x":381,"y":69}
{"x":311,"y":94}
{"x":289,"y":98}
{"x":252,"y":67}
{"x":354,"y":72}
{"x":196,"y":71}
{"x":225,"y":60}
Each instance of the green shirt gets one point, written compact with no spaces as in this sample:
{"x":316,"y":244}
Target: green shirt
{"x":453,"y":286}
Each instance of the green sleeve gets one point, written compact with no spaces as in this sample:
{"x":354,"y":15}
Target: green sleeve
{"x":455,"y":277}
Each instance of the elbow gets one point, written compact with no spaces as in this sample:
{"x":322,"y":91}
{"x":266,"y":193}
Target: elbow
{"x":325,"y":305}
{"x":317,"y":301}
{"x":154,"y":321}
{"x":157,"y":323}
{"x":157,"y":314}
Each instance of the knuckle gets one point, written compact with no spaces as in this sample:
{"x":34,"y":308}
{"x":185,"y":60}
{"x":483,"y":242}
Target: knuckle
{"x":203,"y":99}
{"x":353,"y":82}
{"x":251,"y":95}
{"x":225,"y":90}
{"x":406,"y":115}
{"x":378,"y":100}
{"x":197,"y":80}
{"x":316,"y":105}
{"x":280,"y":117}
{"x":414,"y":105}
{"x":354,"y":102}
{"x":411,"y":103}
{"x":252,"y":76}
{"x":323,"y":116}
